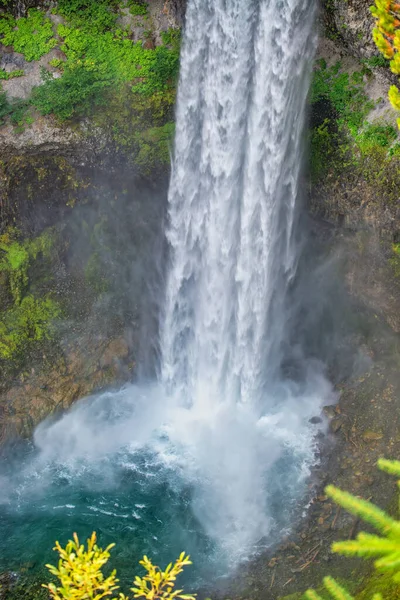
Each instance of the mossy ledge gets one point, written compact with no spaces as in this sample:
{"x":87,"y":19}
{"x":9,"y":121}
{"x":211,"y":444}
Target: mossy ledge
{"x":87,"y":125}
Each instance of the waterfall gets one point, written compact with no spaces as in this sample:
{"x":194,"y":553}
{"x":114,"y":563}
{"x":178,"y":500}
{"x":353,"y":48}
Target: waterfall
{"x":213,"y":457}
{"x":232,"y":231}
{"x":233,"y":191}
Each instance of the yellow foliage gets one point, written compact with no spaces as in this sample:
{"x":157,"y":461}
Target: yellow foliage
{"x":386,"y":36}
{"x":79,"y":572}
{"x":160,"y":584}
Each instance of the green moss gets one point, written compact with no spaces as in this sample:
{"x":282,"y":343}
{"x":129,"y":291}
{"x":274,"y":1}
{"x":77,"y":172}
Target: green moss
{"x":31,"y":35}
{"x":25,"y":319}
{"x":17,"y":256}
{"x":394,"y":261}
{"x":140,"y":126}
{"x":379,"y":583}
{"x":94,"y":274}
{"x":323,"y":147}
{"x":26,"y":323}
{"x":155,"y":146}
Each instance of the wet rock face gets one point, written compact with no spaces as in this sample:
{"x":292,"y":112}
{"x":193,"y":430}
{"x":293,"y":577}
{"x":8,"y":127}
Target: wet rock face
{"x":86,"y":365}
{"x":351,"y":22}
{"x":166,"y":14}
{"x":177,"y":9}
{"x":20,"y":7}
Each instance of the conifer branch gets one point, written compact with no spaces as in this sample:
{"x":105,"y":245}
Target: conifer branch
{"x":364,"y":510}
{"x":335,"y":590}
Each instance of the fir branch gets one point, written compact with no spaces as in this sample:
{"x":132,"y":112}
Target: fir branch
{"x":335,"y":590}
{"x":367,"y":545}
{"x":389,"y":466}
{"x":365,"y":510}
{"x":312,"y":595}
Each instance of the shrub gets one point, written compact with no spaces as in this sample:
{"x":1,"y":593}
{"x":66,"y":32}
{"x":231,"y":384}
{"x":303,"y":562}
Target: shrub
{"x":80,"y":574}
{"x":137,"y":7}
{"x":95,"y":16}
{"x":386,"y":36}
{"x":98,"y":61}
{"x":385,"y":547}
{"x":31,"y":35}
{"x":375,"y":61}
{"x":77,"y":91}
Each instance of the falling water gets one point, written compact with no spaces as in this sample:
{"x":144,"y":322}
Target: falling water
{"x":232,"y":199}
{"x":214,"y":456}
{"x":244,"y":76}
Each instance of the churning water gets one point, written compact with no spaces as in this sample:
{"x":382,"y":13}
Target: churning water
{"x":212,"y":458}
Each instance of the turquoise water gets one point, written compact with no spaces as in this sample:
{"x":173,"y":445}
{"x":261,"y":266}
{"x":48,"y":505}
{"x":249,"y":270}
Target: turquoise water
{"x":128,"y":495}
{"x":115,"y":464}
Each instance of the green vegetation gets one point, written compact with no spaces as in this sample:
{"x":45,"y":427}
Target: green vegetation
{"x":93,"y":16}
{"x":4,"y":106}
{"x":100,"y":56}
{"x":26,"y":323}
{"x":384,"y":547}
{"x":375,"y":61}
{"x":340,"y":98}
{"x":386,"y":36}
{"x":99,"y":60}
{"x":138,"y":7}
{"x":11,"y":75}
{"x":155,"y":146}
{"x":76,"y":92}
{"x":17,"y":111}
{"x":374,"y":135}
{"x":80,"y":575}
{"x":126,"y":87}
{"x":344,"y":92}
{"x":25,"y":317}
{"x":31,"y":35}
{"x":394,"y":261}
{"x":343,"y":142}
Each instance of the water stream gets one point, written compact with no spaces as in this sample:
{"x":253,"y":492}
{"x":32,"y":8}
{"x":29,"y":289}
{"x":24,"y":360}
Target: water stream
{"x":213,"y":457}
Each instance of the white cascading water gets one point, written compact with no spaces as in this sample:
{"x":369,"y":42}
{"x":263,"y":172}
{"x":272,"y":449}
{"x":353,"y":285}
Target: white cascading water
{"x":222,"y":421}
{"x":244,"y":81}
{"x":232,"y":207}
